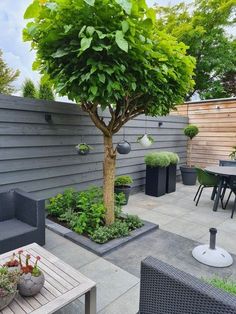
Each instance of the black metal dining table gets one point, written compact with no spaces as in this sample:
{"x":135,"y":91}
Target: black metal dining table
{"x":223,"y":172}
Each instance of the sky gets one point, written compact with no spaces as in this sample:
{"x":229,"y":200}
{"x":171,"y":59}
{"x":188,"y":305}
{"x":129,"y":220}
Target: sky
{"x":16,"y":53}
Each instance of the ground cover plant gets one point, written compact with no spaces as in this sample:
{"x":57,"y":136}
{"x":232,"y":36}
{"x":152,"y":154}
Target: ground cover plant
{"x":223,"y":284}
{"x":84,"y":213}
{"x":109,"y":55}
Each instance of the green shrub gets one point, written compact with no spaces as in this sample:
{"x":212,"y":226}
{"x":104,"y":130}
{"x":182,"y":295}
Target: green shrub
{"x":59,"y":204}
{"x":117,"y":230}
{"x":223,"y":284}
{"x":133,"y":222}
{"x":174,"y":158}
{"x":123,"y":180}
{"x":191,"y":131}
{"x":83,"y":147}
{"x":29,"y":89}
{"x":160,"y":159}
{"x":45,"y":91}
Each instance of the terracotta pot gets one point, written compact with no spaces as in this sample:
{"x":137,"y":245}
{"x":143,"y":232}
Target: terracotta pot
{"x":30,"y":285}
{"x":4,"y":301}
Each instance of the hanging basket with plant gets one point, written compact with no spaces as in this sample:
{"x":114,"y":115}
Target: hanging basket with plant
{"x":83,"y":149}
{"x":145,"y":140}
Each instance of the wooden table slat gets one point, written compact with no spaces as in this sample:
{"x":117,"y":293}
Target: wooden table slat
{"x":63,"y":284}
{"x":61,"y":273}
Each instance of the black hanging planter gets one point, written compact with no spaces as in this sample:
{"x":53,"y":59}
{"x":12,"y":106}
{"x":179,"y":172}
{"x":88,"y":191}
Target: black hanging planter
{"x":123,"y":147}
{"x":171,"y":178}
{"x":155,"y":181}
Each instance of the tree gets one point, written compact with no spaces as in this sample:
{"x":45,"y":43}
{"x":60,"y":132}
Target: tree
{"x":45,"y":91}
{"x":108,"y":54}
{"x":201,"y":26}
{"x":7,"y":77}
{"x":28,"y":89}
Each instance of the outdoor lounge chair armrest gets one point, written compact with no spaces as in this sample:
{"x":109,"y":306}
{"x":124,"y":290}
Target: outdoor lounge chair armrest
{"x":28,"y":209}
{"x":166,"y":288}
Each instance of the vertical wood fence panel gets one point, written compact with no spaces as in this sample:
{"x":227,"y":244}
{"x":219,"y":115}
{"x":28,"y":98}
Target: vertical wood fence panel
{"x":216,"y":120}
{"x":40,"y":157}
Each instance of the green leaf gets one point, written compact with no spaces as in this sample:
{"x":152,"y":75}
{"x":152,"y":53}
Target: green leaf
{"x":51,"y":6}
{"x":121,"y":42}
{"x":85,"y":43}
{"x":97,"y":48}
{"x":102,"y":78}
{"x":90,"y":2}
{"x":126,"y":5}
{"x":90,"y":30}
{"x":94,"y":90}
{"x":125,"y":26}
{"x":33,"y":10}
{"x":133,"y":85}
{"x":59,"y":53}
{"x":67,"y":28}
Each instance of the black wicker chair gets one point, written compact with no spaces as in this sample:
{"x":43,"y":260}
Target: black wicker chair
{"x":167,"y":290}
{"x":22,"y":220}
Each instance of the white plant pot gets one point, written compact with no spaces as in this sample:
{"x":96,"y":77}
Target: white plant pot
{"x":144,"y":141}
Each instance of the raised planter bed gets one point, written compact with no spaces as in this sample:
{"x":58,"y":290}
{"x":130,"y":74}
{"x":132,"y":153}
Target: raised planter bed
{"x":99,"y":249}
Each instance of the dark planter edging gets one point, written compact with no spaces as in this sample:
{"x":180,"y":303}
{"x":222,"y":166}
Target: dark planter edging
{"x":99,"y":249}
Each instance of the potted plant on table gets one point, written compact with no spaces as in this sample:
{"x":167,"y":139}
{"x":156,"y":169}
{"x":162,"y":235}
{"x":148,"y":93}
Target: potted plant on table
{"x":171,"y":172}
{"x":13,"y":264}
{"x":156,"y":164}
{"x":32,"y":278}
{"x":189,"y":174}
{"x":123,"y":185}
{"x":8,"y":286}
{"x":83,"y":149}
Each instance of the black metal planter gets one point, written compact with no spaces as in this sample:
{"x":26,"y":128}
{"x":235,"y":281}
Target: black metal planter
{"x":124,"y":189}
{"x":155,"y":181}
{"x":171,"y":179}
{"x":189,"y":175}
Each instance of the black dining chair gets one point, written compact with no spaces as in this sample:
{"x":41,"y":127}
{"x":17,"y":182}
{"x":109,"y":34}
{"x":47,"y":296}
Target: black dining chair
{"x":232,"y":186}
{"x":223,"y":163}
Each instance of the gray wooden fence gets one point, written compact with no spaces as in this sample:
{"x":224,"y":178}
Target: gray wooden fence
{"x":40,"y":157}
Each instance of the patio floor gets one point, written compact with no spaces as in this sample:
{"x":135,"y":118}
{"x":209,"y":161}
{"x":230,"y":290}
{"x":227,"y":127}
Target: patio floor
{"x":182,"y":227}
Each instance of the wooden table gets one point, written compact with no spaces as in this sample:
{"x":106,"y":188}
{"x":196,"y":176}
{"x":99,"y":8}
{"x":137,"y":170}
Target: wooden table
{"x":223,"y":172}
{"x":63,"y":284}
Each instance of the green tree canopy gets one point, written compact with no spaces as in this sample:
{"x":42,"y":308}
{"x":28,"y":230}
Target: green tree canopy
{"x":45,"y":91}
{"x":109,"y":54}
{"x":7,"y":77}
{"x":202,"y":26}
{"x":28,"y":89}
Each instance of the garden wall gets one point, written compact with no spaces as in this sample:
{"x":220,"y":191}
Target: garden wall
{"x":40,"y":157}
{"x":216,"y":120}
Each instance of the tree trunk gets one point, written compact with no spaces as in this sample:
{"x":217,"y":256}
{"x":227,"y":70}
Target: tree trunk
{"x":108,"y":179}
{"x":190,"y":153}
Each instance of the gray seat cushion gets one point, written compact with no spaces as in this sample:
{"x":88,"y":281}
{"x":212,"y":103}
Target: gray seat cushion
{"x":14,"y":227}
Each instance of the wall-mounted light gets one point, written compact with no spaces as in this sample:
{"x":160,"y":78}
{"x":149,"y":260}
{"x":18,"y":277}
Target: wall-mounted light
{"x":160,"y":123}
{"x":48,"y":117}
{"x":218,"y":107}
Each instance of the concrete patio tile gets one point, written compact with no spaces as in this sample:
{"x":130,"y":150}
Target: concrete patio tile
{"x":135,"y":210}
{"x":69,"y":252}
{"x":111,"y":280}
{"x":53,"y":240}
{"x":185,"y":228}
{"x":128,"y":303}
{"x":211,"y":219}
{"x":228,"y":226}
{"x":172,"y":210}
{"x":156,"y":217}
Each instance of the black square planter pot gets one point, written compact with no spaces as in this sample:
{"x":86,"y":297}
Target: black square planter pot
{"x":171,"y":179}
{"x":155,"y":181}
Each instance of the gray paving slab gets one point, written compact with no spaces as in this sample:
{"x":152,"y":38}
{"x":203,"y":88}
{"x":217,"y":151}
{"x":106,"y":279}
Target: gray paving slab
{"x":112,"y":281}
{"x":168,"y":247}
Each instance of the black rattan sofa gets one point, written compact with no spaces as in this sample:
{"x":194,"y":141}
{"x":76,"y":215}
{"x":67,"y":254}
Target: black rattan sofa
{"x":22,"y":220}
{"x":167,"y":290}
